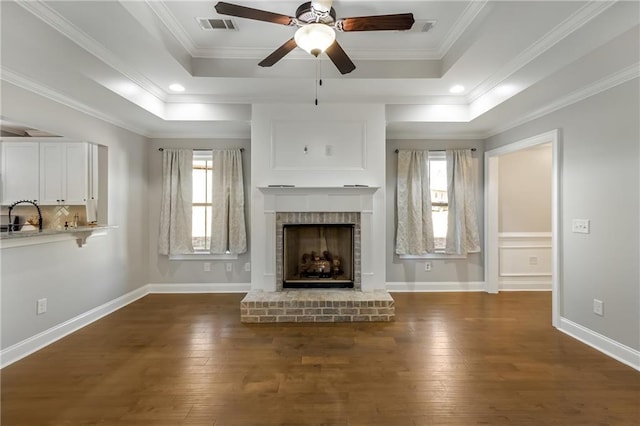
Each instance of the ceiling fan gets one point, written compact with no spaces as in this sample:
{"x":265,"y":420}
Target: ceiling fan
{"x":317,"y":23}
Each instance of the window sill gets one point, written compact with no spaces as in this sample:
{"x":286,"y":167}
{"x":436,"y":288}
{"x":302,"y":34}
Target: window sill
{"x":203,"y":256}
{"x":431,"y":256}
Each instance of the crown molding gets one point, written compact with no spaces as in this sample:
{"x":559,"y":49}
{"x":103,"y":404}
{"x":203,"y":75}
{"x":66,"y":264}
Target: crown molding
{"x":25,"y":83}
{"x":410,"y":135}
{"x":240,"y":134}
{"x":460,"y":26}
{"x":173,"y":25}
{"x":626,"y":74}
{"x":550,"y":39}
{"x":175,"y":28}
{"x":52,"y":18}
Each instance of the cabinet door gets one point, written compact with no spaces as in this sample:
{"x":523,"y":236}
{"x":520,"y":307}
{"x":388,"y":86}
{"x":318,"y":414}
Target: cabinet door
{"x":51,"y":167}
{"x":75,"y":179}
{"x":20,"y":171}
{"x":94,"y":176}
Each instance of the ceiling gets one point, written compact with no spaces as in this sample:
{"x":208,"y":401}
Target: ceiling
{"x":517,"y":60}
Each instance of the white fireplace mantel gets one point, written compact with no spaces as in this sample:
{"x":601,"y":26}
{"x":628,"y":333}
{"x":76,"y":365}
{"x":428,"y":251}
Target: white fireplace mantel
{"x":315,"y":199}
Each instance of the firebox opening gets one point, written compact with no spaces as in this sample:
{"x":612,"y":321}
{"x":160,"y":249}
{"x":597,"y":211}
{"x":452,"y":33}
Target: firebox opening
{"x":318,"y":256}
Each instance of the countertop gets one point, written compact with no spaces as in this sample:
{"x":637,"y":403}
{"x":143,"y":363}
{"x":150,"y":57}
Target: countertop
{"x":81,"y":233}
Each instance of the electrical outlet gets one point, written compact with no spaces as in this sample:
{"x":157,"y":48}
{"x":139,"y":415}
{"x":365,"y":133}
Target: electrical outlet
{"x":41,"y":306}
{"x":533,"y":260}
{"x":328,"y":150}
{"x":427,"y":266}
{"x":580,"y":226}
{"x":247,"y":266}
{"x":229,"y":267}
{"x":598,"y":307}
{"x":207,"y":266}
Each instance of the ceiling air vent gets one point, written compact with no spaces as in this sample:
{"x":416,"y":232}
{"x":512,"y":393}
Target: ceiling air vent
{"x":422,"y":26}
{"x":208,"y":24}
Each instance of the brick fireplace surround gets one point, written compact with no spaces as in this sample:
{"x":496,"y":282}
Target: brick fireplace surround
{"x":317,"y":205}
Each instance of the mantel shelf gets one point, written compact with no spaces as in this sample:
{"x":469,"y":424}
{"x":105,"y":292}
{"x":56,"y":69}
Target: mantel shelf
{"x":318,"y":189}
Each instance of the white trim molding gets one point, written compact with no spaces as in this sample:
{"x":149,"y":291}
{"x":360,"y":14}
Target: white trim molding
{"x":32,"y":344}
{"x":427,"y":256}
{"x":442,"y":286}
{"x":607,"y":346}
{"x":492,"y":246}
{"x":172,"y":288}
{"x":524,"y":261}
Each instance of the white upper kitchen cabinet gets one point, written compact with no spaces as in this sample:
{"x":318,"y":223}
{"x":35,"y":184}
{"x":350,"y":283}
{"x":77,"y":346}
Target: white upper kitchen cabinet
{"x":20,"y":171}
{"x":63,"y":173}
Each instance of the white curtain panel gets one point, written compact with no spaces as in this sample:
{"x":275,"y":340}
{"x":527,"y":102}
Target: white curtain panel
{"x":175,"y":209}
{"x":414,"y":233}
{"x":462,"y":222}
{"x":228,"y":229}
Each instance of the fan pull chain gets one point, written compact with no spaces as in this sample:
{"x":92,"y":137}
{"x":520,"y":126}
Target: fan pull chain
{"x":318,"y":81}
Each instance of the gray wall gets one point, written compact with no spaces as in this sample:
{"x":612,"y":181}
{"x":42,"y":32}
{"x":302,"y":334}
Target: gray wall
{"x":599,"y":142}
{"x":524,"y":190}
{"x":165,"y":271}
{"x":76,"y":280}
{"x":470,"y":269}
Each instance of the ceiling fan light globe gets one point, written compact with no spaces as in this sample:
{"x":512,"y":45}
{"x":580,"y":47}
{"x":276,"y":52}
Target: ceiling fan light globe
{"x":315,"y":38}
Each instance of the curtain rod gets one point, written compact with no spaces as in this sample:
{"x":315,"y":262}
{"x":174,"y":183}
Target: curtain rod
{"x":436,"y":150}
{"x":162,"y":149}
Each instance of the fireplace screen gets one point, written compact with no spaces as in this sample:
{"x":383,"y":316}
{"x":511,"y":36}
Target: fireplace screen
{"x":318,"y":256}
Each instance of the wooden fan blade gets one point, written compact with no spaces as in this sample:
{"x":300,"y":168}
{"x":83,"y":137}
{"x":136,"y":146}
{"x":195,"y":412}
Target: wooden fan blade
{"x":339,"y":58}
{"x":250,"y":13}
{"x":400,"y":21}
{"x":279,"y":53}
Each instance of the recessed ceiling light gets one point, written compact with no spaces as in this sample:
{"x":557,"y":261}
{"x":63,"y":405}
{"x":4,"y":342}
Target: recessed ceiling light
{"x":457,"y":89}
{"x":175,"y":87}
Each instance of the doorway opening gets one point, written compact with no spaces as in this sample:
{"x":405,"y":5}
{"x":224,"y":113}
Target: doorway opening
{"x":492,"y":215}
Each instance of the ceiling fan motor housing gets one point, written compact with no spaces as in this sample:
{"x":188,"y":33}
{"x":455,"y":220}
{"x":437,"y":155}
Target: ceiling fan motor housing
{"x":307,"y":14}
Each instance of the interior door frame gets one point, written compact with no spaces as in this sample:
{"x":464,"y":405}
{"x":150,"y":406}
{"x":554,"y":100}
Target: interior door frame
{"x":491,"y":249}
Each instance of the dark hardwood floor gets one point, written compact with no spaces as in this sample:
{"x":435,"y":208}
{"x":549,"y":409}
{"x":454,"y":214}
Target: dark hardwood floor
{"x":447,"y":359}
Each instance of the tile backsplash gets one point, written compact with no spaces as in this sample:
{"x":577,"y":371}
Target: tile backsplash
{"x":53,"y":217}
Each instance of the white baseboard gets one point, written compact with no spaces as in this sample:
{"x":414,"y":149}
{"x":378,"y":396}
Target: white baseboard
{"x":443,"y":286}
{"x":8,"y":356}
{"x":517,"y":285}
{"x":199,"y":288}
{"x":607,"y":346}
{"x":32,"y":344}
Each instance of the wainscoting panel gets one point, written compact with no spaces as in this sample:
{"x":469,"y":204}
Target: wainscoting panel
{"x":525,"y":261}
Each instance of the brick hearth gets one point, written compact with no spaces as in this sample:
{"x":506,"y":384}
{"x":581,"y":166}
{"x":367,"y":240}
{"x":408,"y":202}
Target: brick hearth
{"x":316,"y":306}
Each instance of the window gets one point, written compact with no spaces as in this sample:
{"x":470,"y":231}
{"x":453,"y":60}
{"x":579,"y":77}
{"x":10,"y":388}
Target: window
{"x":439,"y":199}
{"x":413,"y":238}
{"x":201,"y":163}
{"x":202,"y":200}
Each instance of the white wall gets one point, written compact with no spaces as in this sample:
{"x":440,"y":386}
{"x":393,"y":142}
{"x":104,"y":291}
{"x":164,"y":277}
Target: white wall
{"x":76,"y":280}
{"x":345,"y":145}
{"x":600,"y":181}
{"x":165,"y":271}
{"x":524,"y":190}
{"x":455,"y":272}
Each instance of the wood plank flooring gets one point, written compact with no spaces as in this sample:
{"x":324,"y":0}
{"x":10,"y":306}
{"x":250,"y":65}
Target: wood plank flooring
{"x":447,"y":359}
